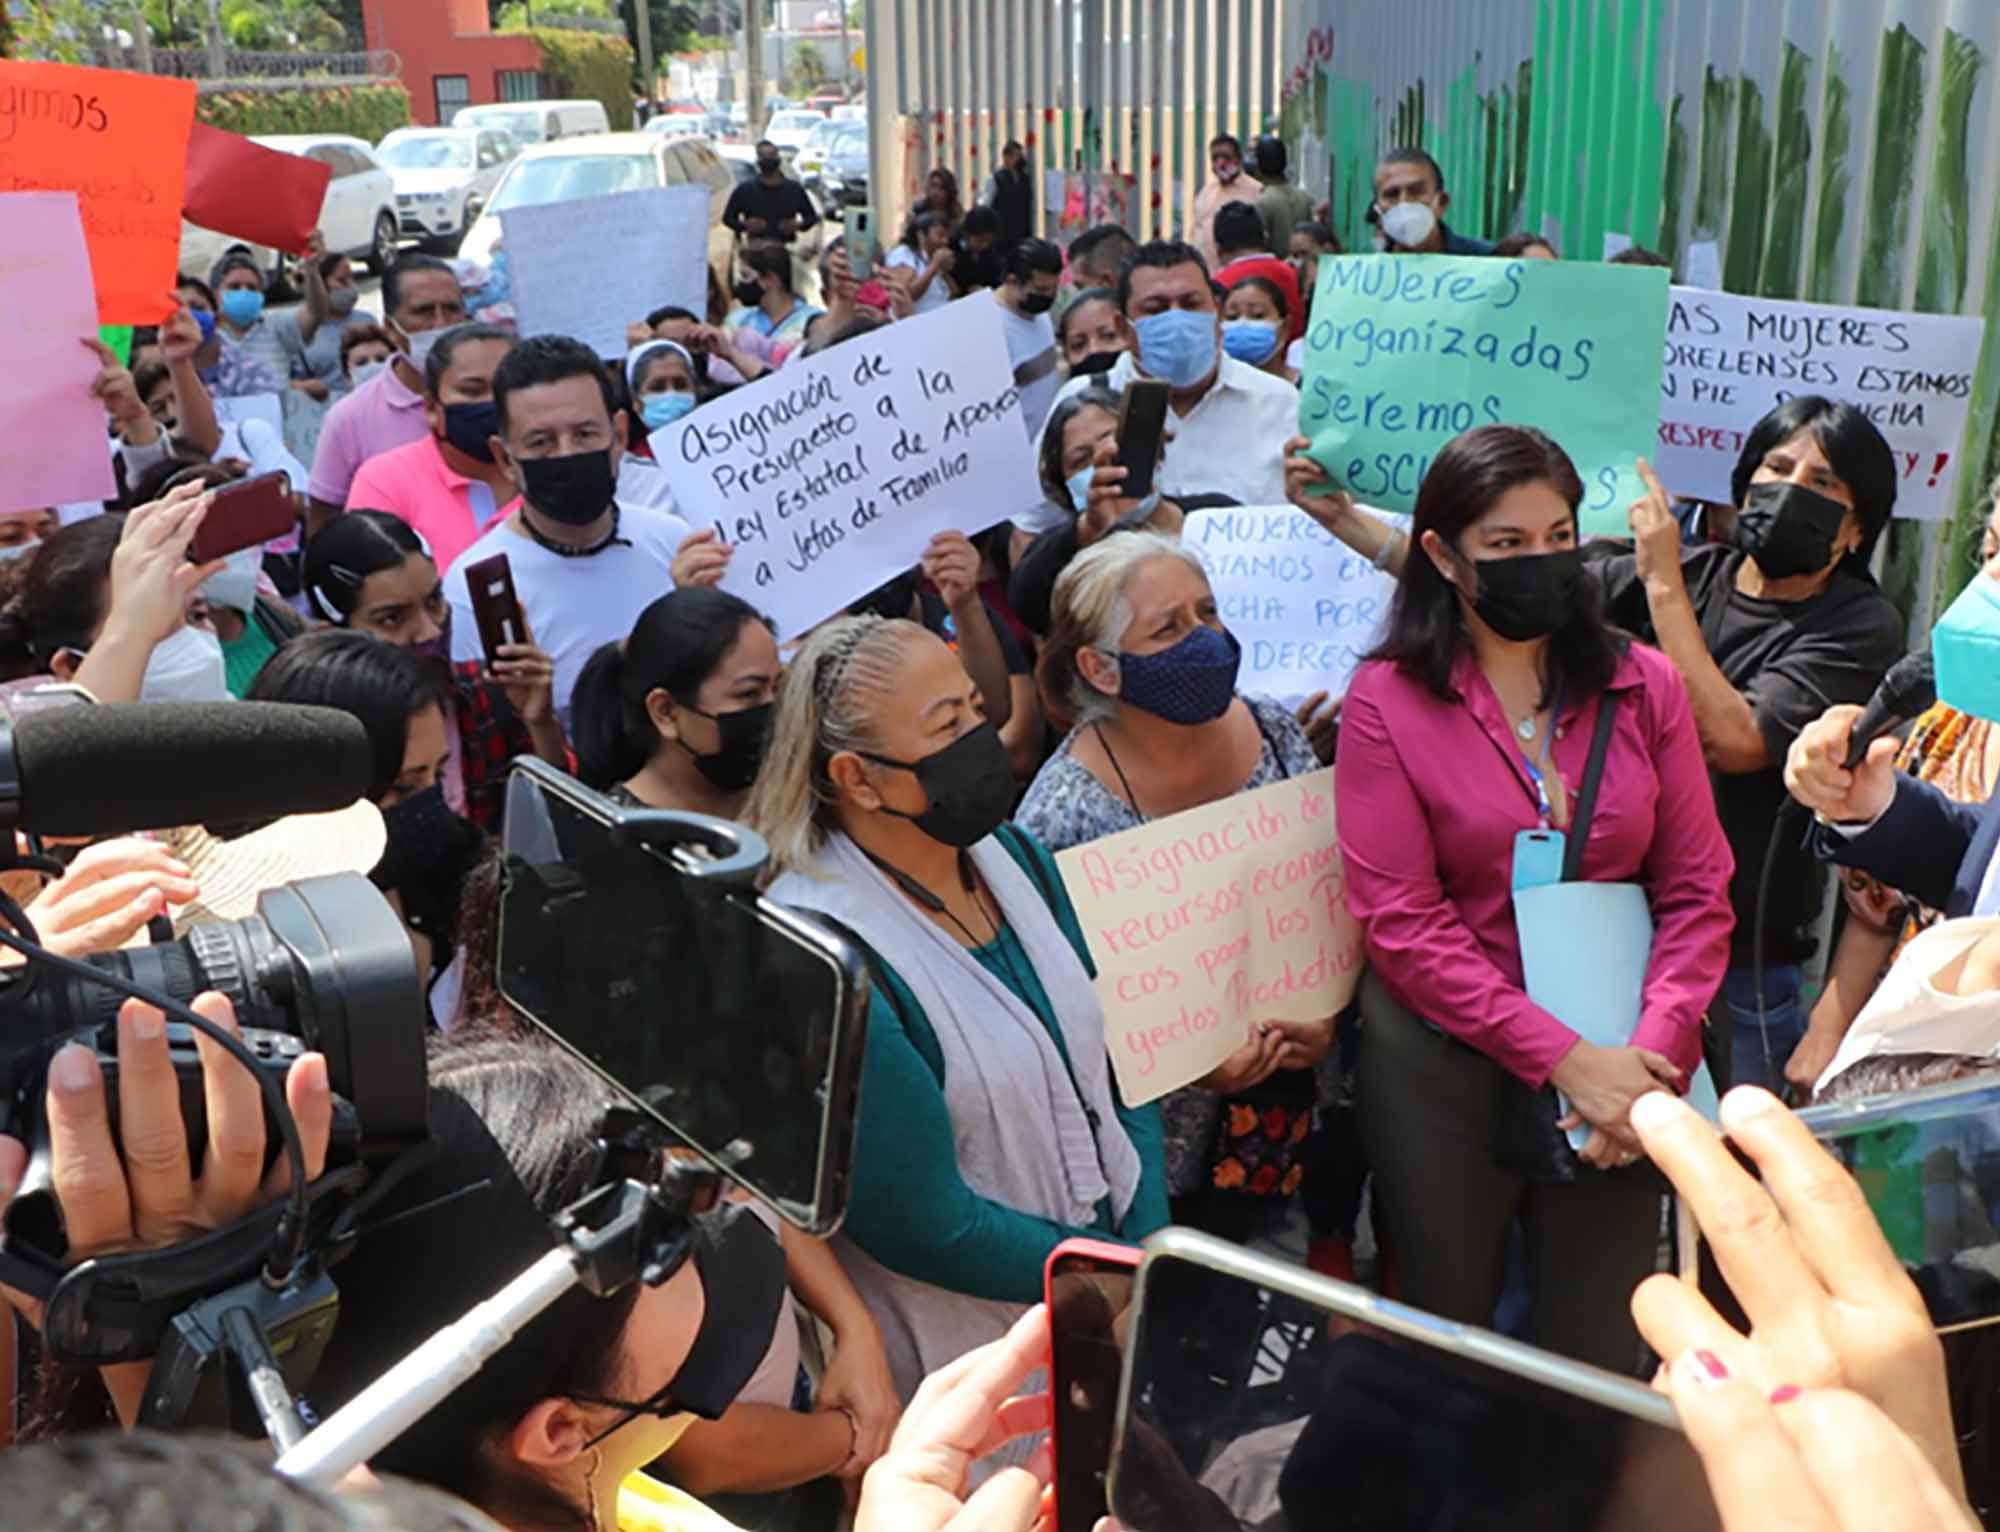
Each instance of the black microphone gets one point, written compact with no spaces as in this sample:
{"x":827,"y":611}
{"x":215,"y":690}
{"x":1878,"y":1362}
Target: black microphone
{"x":122,"y":766}
{"x":1908,"y":689}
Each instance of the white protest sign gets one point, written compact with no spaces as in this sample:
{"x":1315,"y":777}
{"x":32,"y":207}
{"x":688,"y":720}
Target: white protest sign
{"x":833,"y":473}
{"x":1732,"y":359}
{"x":1304,"y":605}
{"x":589,"y":268}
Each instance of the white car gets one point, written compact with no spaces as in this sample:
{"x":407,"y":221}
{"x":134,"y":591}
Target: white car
{"x":671,"y":125}
{"x":790,"y":130}
{"x":597,"y":166}
{"x":357,"y":217}
{"x":811,"y":158}
{"x":443,"y":177}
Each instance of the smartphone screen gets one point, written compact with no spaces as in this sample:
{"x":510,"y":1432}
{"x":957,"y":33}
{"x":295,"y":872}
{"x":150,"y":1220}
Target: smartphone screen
{"x":1142,"y":426}
{"x":1089,"y":1301}
{"x":736,"y":1023}
{"x":1249,"y":1407}
{"x":1928,"y":1161}
{"x":243,"y":515}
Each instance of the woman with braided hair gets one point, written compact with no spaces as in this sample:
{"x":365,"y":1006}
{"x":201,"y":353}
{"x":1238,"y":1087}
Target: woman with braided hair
{"x":990,"y":1127}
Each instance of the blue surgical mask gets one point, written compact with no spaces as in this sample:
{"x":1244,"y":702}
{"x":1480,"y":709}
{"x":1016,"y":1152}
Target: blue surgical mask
{"x":662,"y":410}
{"x":1965,"y":648}
{"x":361,"y":372}
{"x":1177,"y":346}
{"x":204,"y":322}
{"x":1250,"y":340}
{"x":1193,"y":682}
{"x":1078,"y":485}
{"x":243,"y":306}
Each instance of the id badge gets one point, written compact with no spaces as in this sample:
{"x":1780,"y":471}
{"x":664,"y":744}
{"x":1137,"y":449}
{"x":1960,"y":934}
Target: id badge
{"x":1538,"y":858}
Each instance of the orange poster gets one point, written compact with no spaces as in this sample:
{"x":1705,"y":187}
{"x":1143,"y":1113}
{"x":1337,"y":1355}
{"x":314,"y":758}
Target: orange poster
{"x":119,"y":141}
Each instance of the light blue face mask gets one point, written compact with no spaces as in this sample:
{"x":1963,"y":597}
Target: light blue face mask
{"x":1250,"y":340}
{"x":660,"y":410}
{"x":1078,"y":484}
{"x":1965,"y":648}
{"x":1177,"y":346}
{"x":242,"y":306}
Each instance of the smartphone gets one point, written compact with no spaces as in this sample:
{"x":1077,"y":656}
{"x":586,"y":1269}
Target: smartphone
{"x":1142,"y":430}
{"x":1928,"y":1161}
{"x":637,"y":940}
{"x":862,"y":247}
{"x":244,"y":515}
{"x":1258,"y":1394}
{"x":1088,"y":1289}
{"x":489,"y":585}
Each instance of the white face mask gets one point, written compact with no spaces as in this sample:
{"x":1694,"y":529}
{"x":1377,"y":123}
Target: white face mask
{"x":186,"y":667}
{"x":363,"y":371}
{"x":18,"y":551}
{"x":1409,"y":224}
{"x":420,"y":346}
{"x":235,"y":584}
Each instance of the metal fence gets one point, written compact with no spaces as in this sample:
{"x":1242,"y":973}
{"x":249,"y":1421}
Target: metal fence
{"x":246,"y":69}
{"x":1838,"y":151}
{"x":1114,"y":100}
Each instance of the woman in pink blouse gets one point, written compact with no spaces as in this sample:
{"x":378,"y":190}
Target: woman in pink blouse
{"x":1472,"y":723}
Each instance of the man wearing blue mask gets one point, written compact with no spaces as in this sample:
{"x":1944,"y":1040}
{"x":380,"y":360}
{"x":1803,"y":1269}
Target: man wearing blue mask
{"x":1229,"y":421}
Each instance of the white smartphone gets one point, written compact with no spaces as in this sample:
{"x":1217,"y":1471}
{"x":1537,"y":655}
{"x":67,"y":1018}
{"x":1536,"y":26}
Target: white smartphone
{"x":862,"y":246}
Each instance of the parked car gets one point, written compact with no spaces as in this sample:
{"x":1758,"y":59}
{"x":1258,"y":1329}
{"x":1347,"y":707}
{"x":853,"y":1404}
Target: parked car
{"x":443,"y":177}
{"x":599,"y":166}
{"x":843,"y":180}
{"x":790,"y":130}
{"x":357,"y":216}
{"x":854,"y":111}
{"x":739,"y":159}
{"x":536,"y":122}
{"x":678,"y":125}
{"x":811,"y":158}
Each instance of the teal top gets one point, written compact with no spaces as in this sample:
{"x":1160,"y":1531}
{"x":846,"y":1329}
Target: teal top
{"x":910,"y":1209}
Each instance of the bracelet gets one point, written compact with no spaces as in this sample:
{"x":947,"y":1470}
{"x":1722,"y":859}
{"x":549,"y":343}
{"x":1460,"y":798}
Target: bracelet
{"x":1387,"y":552}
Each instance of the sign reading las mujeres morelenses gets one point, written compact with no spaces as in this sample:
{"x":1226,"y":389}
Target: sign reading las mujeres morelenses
{"x":1406,"y":351}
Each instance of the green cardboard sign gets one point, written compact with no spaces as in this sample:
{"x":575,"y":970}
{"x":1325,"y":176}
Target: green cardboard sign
{"x":119,"y":338}
{"x":1407,"y":351}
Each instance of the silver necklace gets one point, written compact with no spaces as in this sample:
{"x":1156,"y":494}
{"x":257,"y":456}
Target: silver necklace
{"x":1526,"y":729}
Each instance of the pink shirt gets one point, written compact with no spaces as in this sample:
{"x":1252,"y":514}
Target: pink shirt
{"x":447,"y":509}
{"x":1430,"y":796}
{"x":382,"y":413}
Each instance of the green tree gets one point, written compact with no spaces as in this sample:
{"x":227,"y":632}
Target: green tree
{"x":808,"y":67}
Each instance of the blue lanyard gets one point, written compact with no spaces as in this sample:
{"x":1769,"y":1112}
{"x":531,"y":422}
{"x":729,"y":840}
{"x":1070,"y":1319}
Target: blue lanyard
{"x":1548,"y":756}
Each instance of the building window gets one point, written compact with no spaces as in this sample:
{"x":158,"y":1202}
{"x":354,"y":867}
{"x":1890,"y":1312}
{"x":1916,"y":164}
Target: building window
{"x":450,"y":92}
{"x":517,"y":84}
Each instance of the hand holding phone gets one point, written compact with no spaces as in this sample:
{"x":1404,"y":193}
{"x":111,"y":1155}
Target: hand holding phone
{"x":243,"y":515}
{"x":862,"y":247}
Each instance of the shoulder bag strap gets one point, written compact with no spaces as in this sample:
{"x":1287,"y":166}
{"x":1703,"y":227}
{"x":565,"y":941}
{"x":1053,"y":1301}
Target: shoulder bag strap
{"x":1586,"y":798}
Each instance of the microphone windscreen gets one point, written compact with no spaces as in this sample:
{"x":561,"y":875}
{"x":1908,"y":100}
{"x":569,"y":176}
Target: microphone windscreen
{"x":124,"y":766}
{"x":1910,"y":687}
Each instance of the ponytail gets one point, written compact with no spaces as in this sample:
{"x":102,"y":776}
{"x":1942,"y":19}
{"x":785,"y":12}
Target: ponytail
{"x":613,"y":739}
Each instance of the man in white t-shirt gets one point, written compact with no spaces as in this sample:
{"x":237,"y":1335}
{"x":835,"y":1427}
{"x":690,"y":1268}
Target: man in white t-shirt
{"x":1034,"y":274}
{"x":584,"y":567}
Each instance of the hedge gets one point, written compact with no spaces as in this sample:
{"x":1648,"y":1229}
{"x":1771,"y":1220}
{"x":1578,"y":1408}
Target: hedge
{"x":586,"y":66}
{"x":364,"y":111}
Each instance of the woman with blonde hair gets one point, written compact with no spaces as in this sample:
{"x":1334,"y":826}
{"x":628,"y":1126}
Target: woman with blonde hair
{"x":990,"y":1128}
{"x":1138,"y":655}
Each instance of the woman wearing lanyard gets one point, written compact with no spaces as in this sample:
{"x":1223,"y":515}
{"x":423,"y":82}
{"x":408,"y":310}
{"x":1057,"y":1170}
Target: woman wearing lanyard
{"x":1474,"y":722}
{"x":1138,"y":654}
{"x":990,"y":1128}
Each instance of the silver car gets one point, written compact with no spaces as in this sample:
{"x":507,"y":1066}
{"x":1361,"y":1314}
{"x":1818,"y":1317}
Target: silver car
{"x":444,"y":177}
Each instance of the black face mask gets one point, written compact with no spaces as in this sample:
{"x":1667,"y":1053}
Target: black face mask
{"x":1788,"y":530}
{"x":1094,"y":364}
{"x":423,"y":832}
{"x":969,"y":786}
{"x":573,"y":490}
{"x":748,"y":293}
{"x":770,"y":167}
{"x":472,"y":427}
{"x":1037,"y":303}
{"x":746,"y":735}
{"x":1528,"y":596}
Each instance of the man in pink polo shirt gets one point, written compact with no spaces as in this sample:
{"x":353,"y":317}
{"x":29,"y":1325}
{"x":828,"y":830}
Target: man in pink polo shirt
{"x":421,"y":298}
{"x":446,"y":485}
